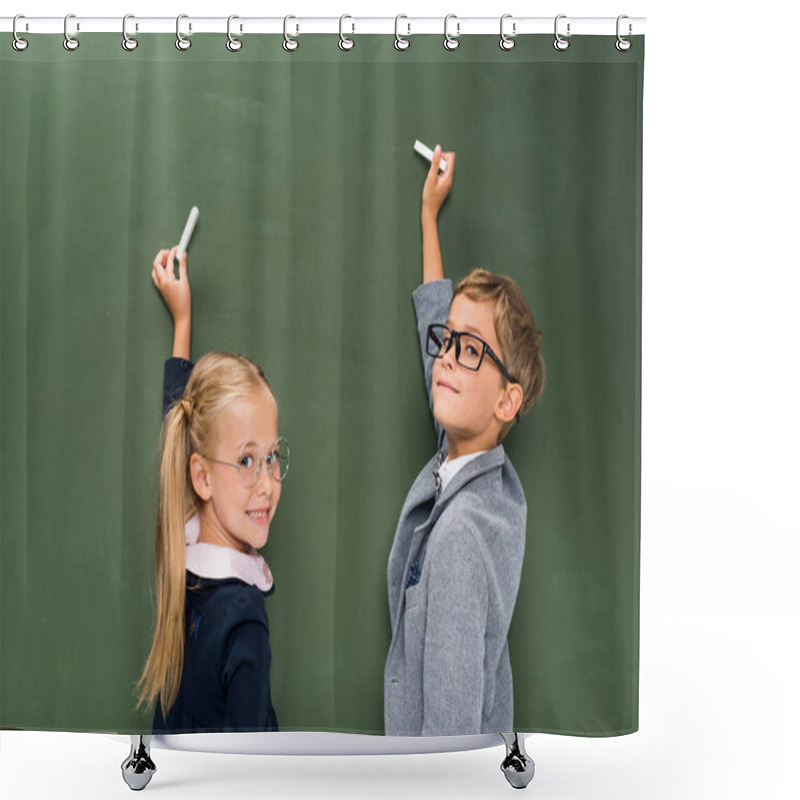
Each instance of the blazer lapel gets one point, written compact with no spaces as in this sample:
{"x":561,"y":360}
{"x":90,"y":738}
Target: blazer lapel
{"x":420,"y":497}
{"x":480,"y":465}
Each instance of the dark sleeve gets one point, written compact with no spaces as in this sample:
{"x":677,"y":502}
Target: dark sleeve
{"x":248,"y":703}
{"x":432,"y":306}
{"x":176,"y":376}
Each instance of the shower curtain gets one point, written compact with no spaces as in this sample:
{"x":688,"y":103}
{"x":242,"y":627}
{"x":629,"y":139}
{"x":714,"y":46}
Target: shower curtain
{"x":306,"y":253}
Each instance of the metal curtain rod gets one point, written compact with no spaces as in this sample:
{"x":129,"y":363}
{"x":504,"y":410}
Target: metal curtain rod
{"x":563,"y":25}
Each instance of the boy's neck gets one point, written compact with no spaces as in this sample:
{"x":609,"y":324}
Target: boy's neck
{"x":463,"y":447}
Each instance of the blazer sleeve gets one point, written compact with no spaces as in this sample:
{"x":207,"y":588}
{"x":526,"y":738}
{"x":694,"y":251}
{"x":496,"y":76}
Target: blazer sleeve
{"x":248,"y":703}
{"x":431,"y":305}
{"x":457,"y":614}
{"x":176,"y":376}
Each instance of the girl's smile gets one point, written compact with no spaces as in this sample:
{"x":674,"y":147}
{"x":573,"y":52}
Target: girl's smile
{"x":259,"y":516}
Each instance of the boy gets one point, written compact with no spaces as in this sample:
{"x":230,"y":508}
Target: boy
{"x":456,"y":559}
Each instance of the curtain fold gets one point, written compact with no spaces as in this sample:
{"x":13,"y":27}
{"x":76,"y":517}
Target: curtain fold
{"x":306,"y":252}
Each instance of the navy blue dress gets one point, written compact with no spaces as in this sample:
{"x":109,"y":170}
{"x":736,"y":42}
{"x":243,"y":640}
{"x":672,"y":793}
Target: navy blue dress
{"x":225,"y":684}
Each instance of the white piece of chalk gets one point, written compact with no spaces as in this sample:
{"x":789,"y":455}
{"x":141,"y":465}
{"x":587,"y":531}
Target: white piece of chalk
{"x":426,"y":152}
{"x":187,"y":232}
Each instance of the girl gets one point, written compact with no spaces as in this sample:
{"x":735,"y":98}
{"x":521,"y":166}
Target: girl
{"x":221,"y":467}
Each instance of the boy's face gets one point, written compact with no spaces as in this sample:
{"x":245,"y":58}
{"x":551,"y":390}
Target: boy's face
{"x":464,"y":401}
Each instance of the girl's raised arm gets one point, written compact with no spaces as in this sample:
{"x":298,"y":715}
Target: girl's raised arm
{"x":177,"y":296}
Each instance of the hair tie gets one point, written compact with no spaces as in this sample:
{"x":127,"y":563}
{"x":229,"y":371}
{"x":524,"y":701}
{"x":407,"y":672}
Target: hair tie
{"x":187,"y":404}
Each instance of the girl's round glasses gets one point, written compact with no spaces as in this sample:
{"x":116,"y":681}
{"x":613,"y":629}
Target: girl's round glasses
{"x":250,"y":459}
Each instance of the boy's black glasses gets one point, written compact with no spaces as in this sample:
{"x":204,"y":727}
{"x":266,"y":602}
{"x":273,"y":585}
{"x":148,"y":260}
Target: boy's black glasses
{"x":470,"y":349}
{"x":248,"y":465}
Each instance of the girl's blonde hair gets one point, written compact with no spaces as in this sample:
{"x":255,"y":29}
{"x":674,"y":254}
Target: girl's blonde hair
{"x":189,"y":427}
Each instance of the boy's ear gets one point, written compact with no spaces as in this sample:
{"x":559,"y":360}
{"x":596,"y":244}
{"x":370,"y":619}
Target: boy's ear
{"x":201,"y":480}
{"x":510,"y":403}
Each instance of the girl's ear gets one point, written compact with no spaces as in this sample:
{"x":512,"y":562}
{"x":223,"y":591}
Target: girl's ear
{"x":201,"y":480}
{"x":509,"y":403}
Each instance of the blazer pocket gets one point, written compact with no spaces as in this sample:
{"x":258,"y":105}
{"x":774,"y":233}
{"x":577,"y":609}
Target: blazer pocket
{"x":412,"y":597}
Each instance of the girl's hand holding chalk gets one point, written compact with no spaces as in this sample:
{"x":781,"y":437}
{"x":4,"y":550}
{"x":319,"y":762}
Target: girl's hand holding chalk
{"x":175,"y":291}
{"x":427,"y":153}
{"x":437,"y":184}
{"x":187,"y":231}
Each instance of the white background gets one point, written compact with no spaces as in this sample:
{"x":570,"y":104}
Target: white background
{"x":719,"y":699}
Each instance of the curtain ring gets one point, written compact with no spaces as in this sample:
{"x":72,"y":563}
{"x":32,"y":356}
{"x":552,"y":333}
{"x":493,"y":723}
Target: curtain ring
{"x":400,"y":42}
{"x":451,"y":42}
{"x":622,"y":44}
{"x":128,"y":42}
{"x":233,"y":44}
{"x":289,"y":43}
{"x":507,"y":42}
{"x":182,"y":43}
{"x":19,"y":44}
{"x":560,"y":42}
{"x":344,"y":42}
{"x":70,"y":42}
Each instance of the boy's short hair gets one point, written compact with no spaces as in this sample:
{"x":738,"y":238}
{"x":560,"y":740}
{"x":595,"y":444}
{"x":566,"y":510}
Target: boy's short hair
{"x":516,"y":331}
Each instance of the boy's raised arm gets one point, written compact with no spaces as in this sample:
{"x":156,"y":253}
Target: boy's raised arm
{"x":434,"y":193}
{"x":431,"y":305}
{"x":432,"y":298}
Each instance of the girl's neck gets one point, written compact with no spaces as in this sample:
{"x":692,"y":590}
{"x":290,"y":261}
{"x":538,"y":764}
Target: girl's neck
{"x":212,"y":532}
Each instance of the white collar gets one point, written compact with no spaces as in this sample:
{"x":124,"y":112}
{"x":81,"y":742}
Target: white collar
{"x":451,"y":466}
{"x":217,"y":562}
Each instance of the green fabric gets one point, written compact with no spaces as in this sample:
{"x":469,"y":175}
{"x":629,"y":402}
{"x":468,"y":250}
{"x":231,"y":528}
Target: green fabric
{"x":304,"y":258}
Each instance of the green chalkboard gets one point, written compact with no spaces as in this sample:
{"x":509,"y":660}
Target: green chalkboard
{"x":305,"y":256}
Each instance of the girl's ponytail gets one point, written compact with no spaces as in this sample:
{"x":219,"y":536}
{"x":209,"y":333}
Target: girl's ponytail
{"x":162,"y":673}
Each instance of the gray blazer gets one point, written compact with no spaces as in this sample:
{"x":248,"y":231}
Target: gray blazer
{"x":453,"y":577}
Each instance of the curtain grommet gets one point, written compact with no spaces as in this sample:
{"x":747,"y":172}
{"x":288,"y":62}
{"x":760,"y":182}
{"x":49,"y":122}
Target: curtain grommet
{"x":451,"y":42}
{"x":345,"y":43}
{"x":507,"y":42}
{"x":622,"y":44}
{"x":181,"y":42}
{"x":129,"y":43}
{"x":560,"y":43}
{"x":290,"y":44}
{"x":70,"y":42}
{"x":18,"y":43}
{"x":233,"y":44}
{"x":400,"y":42}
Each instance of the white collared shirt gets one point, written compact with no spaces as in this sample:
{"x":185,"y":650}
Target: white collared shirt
{"x":450,"y":468}
{"x":217,"y":562}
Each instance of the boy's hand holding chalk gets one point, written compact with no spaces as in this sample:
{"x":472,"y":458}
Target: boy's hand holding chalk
{"x":437,"y":183}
